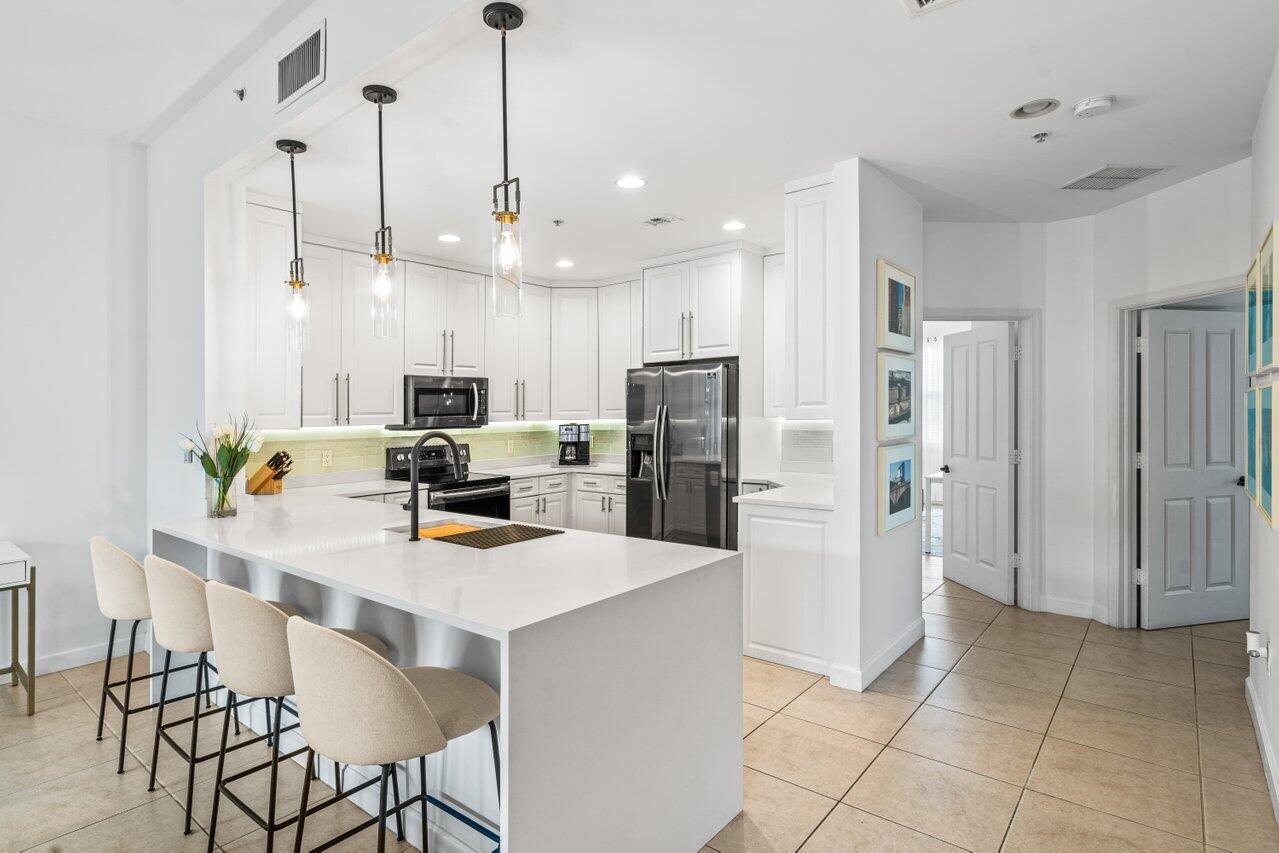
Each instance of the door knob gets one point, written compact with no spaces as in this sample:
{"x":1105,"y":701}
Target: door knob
{"x":1241,"y":482}
{"x":945,"y":469}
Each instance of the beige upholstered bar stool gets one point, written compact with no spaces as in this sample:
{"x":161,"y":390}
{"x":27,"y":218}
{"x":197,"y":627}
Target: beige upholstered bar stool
{"x":250,"y":639}
{"x":180,"y":623}
{"x":357,"y":708}
{"x":121,"y":585}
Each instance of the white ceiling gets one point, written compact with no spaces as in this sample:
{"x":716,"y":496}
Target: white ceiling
{"x":116,"y":67}
{"x":718,"y":103}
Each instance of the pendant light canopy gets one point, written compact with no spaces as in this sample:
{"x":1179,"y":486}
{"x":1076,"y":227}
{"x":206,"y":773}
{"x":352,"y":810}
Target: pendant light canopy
{"x":508,"y":257}
{"x":385,"y":295}
{"x":298,"y":311}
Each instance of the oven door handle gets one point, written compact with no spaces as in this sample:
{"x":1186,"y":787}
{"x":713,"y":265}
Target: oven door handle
{"x":475,"y":407}
{"x":461,"y":494}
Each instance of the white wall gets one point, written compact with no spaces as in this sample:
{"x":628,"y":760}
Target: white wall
{"x":72,"y":369}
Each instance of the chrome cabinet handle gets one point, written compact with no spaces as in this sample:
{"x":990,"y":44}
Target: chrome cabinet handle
{"x":523,"y":400}
{"x":444,"y":351}
{"x":682,"y":315}
{"x":690,"y":334}
{"x":543,"y":505}
{"x":348,"y":398}
{"x":337,"y":398}
{"x":515,"y":406}
{"x":610,"y":504}
{"x":452,"y":352}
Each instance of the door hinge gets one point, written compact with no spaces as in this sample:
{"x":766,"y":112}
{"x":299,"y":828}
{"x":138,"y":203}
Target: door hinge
{"x":1016,"y":353}
{"x":1014,"y":561}
{"x":1140,"y":576}
{"x":1016,"y":456}
{"x":1141,"y":459}
{"x":1141,"y":344}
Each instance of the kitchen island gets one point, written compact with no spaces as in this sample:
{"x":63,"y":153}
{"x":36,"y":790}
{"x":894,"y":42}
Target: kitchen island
{"x":617,"y":660}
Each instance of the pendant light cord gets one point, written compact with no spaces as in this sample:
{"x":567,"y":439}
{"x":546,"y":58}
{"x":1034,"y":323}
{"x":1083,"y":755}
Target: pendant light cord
{"x":293,"y":183}
{"x":506,"y":167}
{"x":381,"y":180}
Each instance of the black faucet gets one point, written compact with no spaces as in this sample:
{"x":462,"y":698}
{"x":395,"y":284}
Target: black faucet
{"x":415,"y":462}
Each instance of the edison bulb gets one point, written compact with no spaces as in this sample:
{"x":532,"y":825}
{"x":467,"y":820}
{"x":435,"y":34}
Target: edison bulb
{"x":299,"y":319}
{"x":382,"y":286}
{"x":508,"y":252}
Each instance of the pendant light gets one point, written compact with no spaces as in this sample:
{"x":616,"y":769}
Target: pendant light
{"x":385,"y":304}
{"x":508,"y":260}
{"x":298,"y":314}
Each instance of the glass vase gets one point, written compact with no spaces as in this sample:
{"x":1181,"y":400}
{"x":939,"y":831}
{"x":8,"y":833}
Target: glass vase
{"x":219,"y":496}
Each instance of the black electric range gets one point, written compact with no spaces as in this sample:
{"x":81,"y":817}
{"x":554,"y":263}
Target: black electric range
{"x":487,"y":495}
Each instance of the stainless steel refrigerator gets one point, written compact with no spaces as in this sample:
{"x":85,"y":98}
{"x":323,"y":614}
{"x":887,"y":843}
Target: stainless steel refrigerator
{"x":681,"y":453}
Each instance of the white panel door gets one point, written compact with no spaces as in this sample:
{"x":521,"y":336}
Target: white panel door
{"x":590,"y":512}
{"x":554,"y":510}
{"x":525,"y":509}
{"x":775,"y":336}
{"x":425,"y":334}
{"x":809,"y":344}
{"x":1194,"y":515}
{"x":372,"y":368}
{"x":276,"y":376}
{"x":666,"y":313}
{"x":977,"y":442}
{"x":502,"y":361}
{"x":322,"y":362}
{"x":617,"y":515}
{"x":535,"y":354}
{"x":714,"y":306}
{"x":464,"y":315}
{"x":574,"y":353}
{"x":615,"y":348}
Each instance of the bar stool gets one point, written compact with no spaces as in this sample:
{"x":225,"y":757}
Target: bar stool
{"x":357,"y":708}
{"x":250,"y":639}
{"x":180,"y":623}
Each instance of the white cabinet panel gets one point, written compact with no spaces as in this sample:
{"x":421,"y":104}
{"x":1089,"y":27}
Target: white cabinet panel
{"x":525,"y":510}
{"x":574,"y":353}
{"x":665,"y":312}
{"x":322,"y":362}
{"x":774,"y":336}
{"x":372,"y":370}
{"x":276,"y":376}
{"x":637,"y":323}
{"x":714,"y":306}
{"x":425,"y":335}
{"x":784,"y":553}
{"x":617,"y":516}
{"x":554,"y":510}
{"x":809,"y":327}
{"x":502,"y":340}
{"x":464,"y":314}
{"x":535,"y":354}
{"x":590,"y":512}
{"x":615,"y":348}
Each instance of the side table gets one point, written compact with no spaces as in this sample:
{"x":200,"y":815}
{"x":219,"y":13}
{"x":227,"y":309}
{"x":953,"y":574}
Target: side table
{"x":16,"y":574}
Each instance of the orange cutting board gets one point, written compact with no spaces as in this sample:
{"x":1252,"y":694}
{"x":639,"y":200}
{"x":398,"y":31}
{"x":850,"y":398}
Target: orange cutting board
{"x":445,"y":530}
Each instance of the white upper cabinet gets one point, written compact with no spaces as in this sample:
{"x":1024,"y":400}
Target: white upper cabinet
{"x":464,"y":311}
{"x":535,"y":354}
{"x":615,"y":329}
{"x":276,"y":370}
{"x":372,"y":368}
{"x":774,"y":319}
{"x":574,"y":354}
{"x":809,"y":328}
{"x":502,"y":359}
{"x":322,"y":361}
{"x":637,"y":323}
{"x":714,"y":306}
{"x":444,"y":321}
{"x":666,"y":313}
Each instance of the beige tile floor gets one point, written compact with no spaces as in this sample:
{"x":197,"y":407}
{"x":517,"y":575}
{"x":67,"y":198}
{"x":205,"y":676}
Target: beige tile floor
{"x":59,"y":790}
{"x":1005,"y":729}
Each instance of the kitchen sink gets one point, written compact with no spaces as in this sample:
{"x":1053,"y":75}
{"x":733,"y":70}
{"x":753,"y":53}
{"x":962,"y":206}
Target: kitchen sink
{"x":470,"y":521}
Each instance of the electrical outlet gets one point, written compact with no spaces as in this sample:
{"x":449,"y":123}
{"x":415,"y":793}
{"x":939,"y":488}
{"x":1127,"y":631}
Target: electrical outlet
{"x":326,"y":459}
{"x":510,"y":446}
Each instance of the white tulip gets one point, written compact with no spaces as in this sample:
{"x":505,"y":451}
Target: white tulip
{"x":186,"y":445}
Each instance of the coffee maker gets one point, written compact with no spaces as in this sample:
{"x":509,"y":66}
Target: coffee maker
{"x":575,"y":444}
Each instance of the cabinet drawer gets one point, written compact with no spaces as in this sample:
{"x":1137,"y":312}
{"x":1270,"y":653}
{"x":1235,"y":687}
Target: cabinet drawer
{"x":13,"y":573}
{"x":524,"y":488}
{"x":594,"y":483}
{"x":619,"y":485}
{"x":552,"y":484}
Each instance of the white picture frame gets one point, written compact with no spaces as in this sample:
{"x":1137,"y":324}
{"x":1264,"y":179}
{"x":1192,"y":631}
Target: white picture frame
{"x":897,"y":302}
{"x":897,"y":487}
{"x":897,"y":405}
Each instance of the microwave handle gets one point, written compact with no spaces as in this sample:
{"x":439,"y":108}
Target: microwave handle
{"x":475,"y":409}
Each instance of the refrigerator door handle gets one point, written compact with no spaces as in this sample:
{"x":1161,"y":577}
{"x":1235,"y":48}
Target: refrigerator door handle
{"x":663,"y":418}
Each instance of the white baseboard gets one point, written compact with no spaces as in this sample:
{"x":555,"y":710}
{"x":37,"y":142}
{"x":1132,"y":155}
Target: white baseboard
{"x":1264,"y":741}
{"x":786,"y":658}
{"x":93,"y":653}
{"x":859,"y":678}
{"x":1071,"y":607}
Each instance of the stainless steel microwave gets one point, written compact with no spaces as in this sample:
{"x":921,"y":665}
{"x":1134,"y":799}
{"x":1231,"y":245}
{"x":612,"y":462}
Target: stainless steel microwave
{"x":444,"y":402}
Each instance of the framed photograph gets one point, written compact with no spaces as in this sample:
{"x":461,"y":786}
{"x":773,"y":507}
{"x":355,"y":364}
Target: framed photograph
{"x":896,"y":321}
{"x":896,"y":408}
{"x":1266,"y":355}
{"x":897,"y":488}
{"x":1250,"y":324}
{"x":1250,"y":470}
{"x":1266,"y":452}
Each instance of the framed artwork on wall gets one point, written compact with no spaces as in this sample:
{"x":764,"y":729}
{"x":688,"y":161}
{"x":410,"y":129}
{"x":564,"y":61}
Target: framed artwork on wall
{"x":897,"y":486}
{"x":1266,"y":355}
{"x":1250,"y":314}
{"x":1250,"y":467}
{"x":896,"y":409}
{"x":897,"y":305}
{"x":1266,"y":452}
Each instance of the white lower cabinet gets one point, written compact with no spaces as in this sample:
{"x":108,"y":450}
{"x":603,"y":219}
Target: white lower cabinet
{"x":554,"y":511}
{"x":590,"y":512}
{"x":599,"y":503}
{"x":617,"y":515}
{"x":525,"y":509}
{"x":785,"y":587}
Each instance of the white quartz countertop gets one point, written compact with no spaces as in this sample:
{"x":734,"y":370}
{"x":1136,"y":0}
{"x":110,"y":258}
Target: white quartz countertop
{"x":316,"y":534}
{"x":519,"y":472}
{"x":802,"y":491}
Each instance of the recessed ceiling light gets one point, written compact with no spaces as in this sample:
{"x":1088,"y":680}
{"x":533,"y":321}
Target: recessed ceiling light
{"x":450,"y":238}
{"x":630,"y":182}
{"x":1036,"y":108}
{"x":734,"y":225}
{"x":563,"y":263}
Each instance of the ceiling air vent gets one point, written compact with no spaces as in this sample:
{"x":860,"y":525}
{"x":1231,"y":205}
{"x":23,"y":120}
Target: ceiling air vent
{"x":301,"y":68}
{"x":919,"y":7}
{"x":1112,"y":177}
{"x":663,"y":219}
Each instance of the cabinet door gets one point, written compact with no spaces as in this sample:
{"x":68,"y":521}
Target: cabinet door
{"x":535,"y":354}
{"x":425,"y":339}
{"x":665,"y":310}
{"x":372,"y":368}
{"x":637,"y":323}
{"x":322,"y":362}
{"x":617,"y":516}
{"x":502,"y":360}
{"x":775,"y":336}
{"x":590,"y":512}
{"x":525,"y":510}
{"x":615,"y":348}
{"x":574,"y":353}
{"x":809,"y":345}
{"x":554,"y":510}
{"x":464,"y":313}
{"x":714,"y":306}
{"x":276,"y":376}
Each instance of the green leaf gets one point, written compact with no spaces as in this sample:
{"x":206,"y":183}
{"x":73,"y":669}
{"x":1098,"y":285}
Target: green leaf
{"x":224,"y":457}
{"x":208,"y":465}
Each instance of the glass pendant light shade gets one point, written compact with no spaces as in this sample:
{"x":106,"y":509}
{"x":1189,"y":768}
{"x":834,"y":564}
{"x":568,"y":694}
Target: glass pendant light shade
{"x":298,"y":311}
{"x":508,"y":265}
{"x":384,"y":289}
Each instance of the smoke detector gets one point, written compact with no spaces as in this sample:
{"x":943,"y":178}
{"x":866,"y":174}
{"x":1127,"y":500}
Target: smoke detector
{"x":1089,"y":107}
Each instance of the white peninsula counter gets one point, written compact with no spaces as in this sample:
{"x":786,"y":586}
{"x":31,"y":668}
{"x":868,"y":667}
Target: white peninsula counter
{"x":617,"y":660}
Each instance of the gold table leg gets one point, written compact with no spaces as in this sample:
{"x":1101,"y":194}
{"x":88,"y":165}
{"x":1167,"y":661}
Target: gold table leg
{"x":23,"y":675}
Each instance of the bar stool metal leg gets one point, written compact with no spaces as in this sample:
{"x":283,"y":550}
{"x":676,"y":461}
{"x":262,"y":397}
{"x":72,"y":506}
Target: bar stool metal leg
{"x":399,"y":817}
{"x":421,"y":771}
{"x":128,"y":690}
{"x":217,"y":779}
{"x":106,"y":679}
{"x":159,"y":717}
{"x":195,"y":735}
{"x":306,"y":791}
{"x":497,"y":764}
{"x":381,"y":810}
{"x":275,"y":768}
